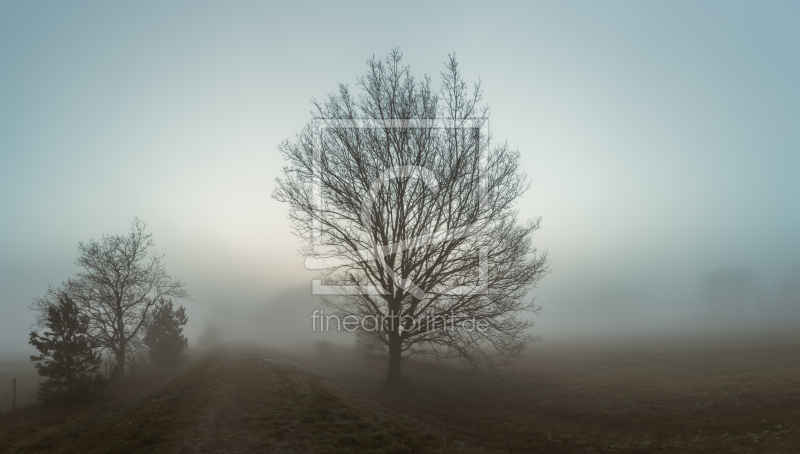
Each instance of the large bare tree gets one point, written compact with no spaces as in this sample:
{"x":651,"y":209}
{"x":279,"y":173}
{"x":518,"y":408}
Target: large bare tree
{"x":120,"y":281}
{"x":399,"y":195}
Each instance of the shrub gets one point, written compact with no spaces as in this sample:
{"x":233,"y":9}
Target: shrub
{"x":164,"y":334}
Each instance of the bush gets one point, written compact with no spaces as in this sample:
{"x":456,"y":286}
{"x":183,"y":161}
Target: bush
{"x":164,"y":334}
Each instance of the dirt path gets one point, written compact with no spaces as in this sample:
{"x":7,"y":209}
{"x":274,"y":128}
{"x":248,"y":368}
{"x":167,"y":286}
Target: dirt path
{"x":234,"y":400}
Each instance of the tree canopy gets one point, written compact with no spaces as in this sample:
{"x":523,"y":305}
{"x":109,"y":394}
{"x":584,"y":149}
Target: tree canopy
{"x":399,"y":192}
{"x":121,"y":279}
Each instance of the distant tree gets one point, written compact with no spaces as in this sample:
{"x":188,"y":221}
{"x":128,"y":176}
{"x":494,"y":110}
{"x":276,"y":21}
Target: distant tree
{"x":786,"y":306}
{"x":368,"y":346}
{"x":323,"y":348}
{"x":210,"y":338}
{"x":396,"y":191}
{"x":69,"y":357}
{"x":164,"y":334}
{"x":734,"y":295}
{"x":120,"y":282}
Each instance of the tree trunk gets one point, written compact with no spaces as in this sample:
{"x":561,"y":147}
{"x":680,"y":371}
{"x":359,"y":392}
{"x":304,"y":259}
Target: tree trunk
{"x":120,"y":354}
{"x":395,"y":345}
{"x":122,"y":343}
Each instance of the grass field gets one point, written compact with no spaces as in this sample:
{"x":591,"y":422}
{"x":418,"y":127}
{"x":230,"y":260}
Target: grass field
{"x":677,"y":398}
{"x":21,"y":369}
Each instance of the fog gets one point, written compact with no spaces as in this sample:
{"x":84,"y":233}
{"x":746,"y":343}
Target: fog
{"x":661,"y":142}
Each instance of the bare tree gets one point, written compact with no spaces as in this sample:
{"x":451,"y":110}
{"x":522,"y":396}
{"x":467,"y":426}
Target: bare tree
{"x":121,"y":280}
{"x":399,"y":195}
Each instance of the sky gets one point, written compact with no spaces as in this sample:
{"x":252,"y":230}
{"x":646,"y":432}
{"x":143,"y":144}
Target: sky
{"x":662,"y":141}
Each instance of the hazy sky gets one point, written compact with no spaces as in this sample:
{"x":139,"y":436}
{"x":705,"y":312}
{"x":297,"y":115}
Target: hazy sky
{"x":662,"y":138}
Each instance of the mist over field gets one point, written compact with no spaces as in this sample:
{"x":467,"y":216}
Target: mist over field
{"x":642,"y":295}
{"x":661,"y":147}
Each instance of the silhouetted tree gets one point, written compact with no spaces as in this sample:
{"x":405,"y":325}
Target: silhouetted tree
{"x":121,"y":280}
{"x":68,"y":358}
{"x":400,"y":190}
{"x":164,"y":335}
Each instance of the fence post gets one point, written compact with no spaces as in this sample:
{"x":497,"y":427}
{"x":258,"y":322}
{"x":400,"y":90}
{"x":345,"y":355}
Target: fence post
{"x":13,"y":394}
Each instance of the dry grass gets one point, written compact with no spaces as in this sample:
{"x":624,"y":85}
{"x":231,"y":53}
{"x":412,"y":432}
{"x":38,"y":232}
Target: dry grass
{"x":616,"y":399}
{"x":573,"y":400}
{"x":28,"y":380}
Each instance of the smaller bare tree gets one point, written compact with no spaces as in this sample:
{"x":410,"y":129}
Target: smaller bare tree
{"x":121,"y":280}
